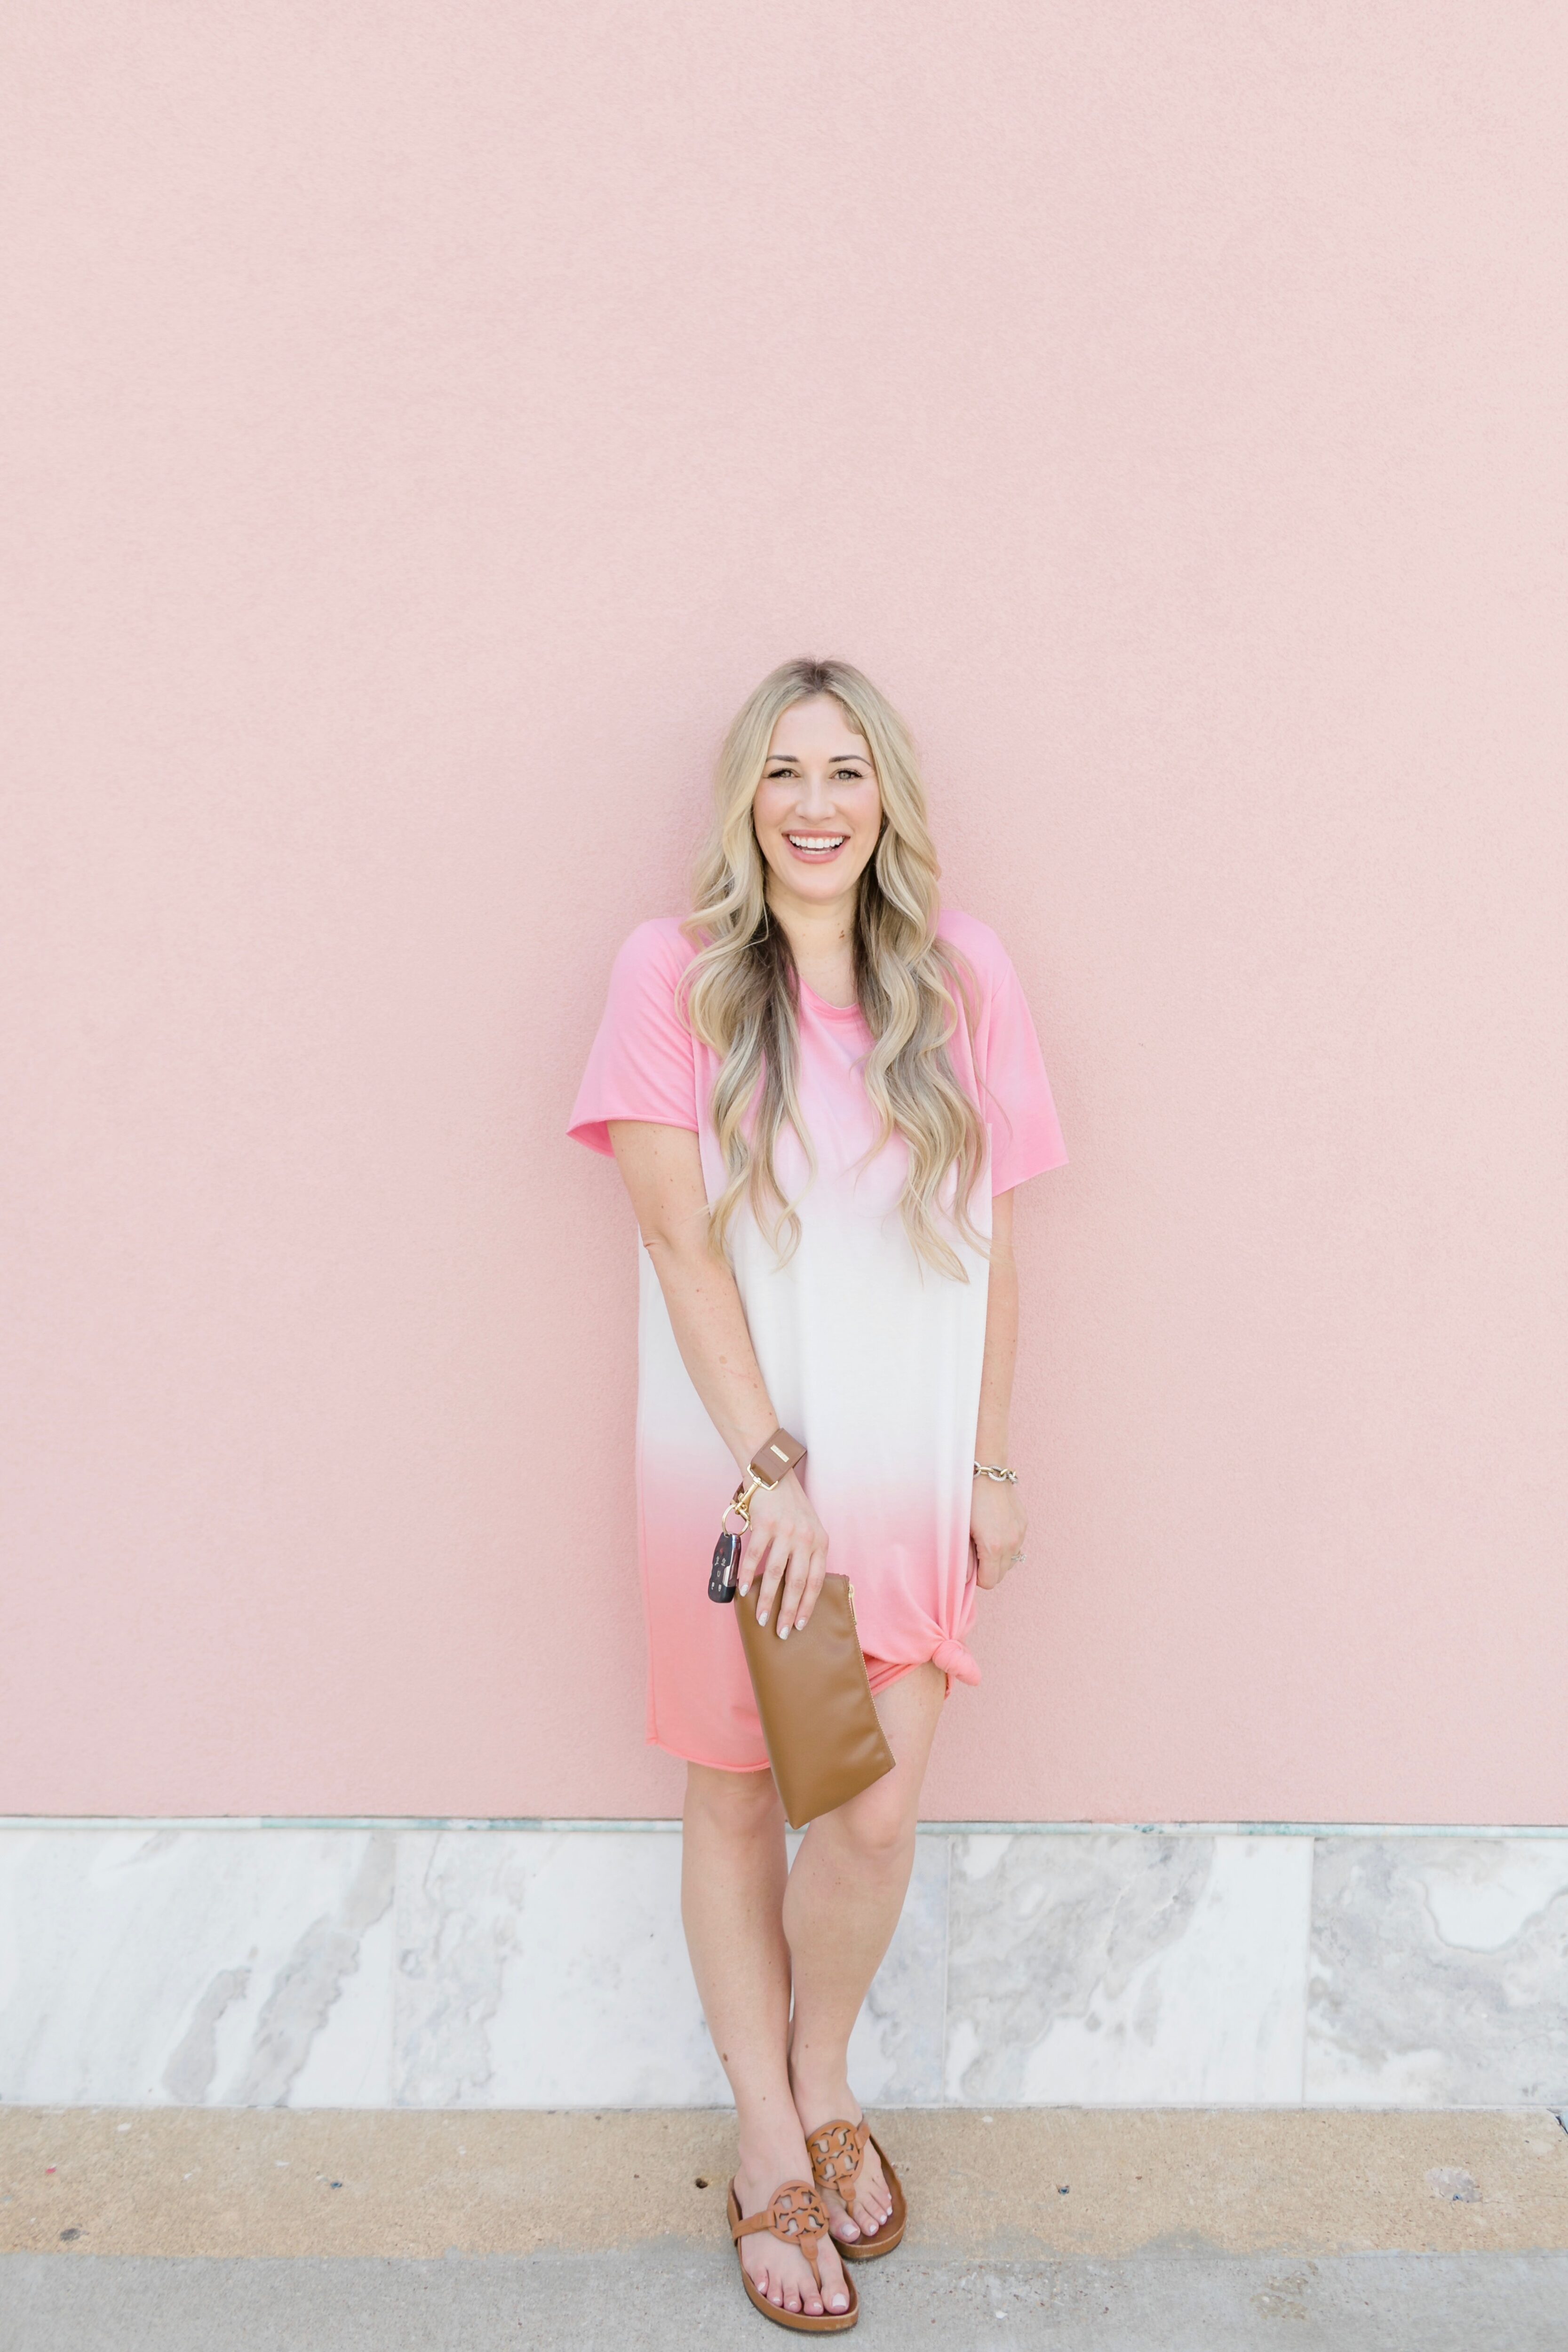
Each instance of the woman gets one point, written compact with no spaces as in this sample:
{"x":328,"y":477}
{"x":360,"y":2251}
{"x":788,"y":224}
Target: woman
{"x":821,"y":1093}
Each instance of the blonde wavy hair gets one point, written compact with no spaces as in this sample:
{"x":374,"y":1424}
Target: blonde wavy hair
{"x":742,"y":989}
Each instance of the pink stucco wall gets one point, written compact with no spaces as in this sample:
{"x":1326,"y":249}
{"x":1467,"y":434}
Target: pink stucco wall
{"x":424,"y":424}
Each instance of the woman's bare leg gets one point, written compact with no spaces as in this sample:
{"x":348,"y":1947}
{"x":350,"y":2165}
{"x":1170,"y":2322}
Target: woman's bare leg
{"x":840,"y":1908}
{"x":731,"y":1891}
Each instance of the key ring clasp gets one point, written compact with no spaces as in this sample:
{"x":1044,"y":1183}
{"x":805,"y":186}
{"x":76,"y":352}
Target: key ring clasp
{"x":740,"y":1502}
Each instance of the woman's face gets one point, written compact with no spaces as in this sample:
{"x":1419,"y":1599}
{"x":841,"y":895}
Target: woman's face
{"x":818,"y":809}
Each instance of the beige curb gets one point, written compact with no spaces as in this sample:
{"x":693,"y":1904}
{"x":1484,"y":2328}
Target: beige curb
{"x":1020,"y":2182}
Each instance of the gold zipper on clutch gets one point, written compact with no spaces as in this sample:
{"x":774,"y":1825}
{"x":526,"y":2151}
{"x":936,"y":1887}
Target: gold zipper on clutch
{"x":853,"y":1618}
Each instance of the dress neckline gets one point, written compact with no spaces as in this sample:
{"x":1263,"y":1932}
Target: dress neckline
{"x":829,"y":1011}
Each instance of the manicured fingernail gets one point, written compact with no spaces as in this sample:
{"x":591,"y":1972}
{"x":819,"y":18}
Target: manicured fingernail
{"x":784,"y":1632}
{"x":800,"y":1624}
{"x":762,"y":1616}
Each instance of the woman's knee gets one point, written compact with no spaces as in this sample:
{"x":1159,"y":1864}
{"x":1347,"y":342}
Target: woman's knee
{"x":877,"y":1825}
{"x":735,"y":1804}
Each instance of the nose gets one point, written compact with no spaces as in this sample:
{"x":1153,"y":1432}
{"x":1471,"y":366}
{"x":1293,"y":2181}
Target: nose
{"x":816,"y":797}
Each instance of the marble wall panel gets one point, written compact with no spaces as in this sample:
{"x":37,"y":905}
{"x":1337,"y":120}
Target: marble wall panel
{"x":352,"y":1966}
{"x":151,"y":1966}
{"x":1439,"y":1973}
{"x":546,"y":1969}
{"x":1127,"y":1969}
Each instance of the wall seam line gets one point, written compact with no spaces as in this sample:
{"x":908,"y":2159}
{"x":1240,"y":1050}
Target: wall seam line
{"x":947,"y":1960}
{"x":1307,"y":1965}
{"x":659,"y":1825}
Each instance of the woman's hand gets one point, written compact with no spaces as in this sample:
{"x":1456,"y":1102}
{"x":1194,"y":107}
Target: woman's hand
{"x":997,"y":1521}
{"x":787,"y":1546}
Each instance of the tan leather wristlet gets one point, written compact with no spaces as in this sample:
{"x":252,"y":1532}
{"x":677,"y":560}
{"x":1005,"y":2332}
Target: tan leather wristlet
{"x":774,"y":1458}
{"x":823,"y":1739}
{"x":819,"y":1723}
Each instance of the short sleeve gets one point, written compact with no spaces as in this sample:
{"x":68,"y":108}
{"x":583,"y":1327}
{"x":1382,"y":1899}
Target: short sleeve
{"x":1025,"y":1133}
{"x":643,"y":1064}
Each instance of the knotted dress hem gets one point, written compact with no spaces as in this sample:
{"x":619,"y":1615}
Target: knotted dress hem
{"x":956,"y":1663}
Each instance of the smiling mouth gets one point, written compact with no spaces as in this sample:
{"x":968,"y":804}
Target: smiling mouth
{"x":817,"y":845}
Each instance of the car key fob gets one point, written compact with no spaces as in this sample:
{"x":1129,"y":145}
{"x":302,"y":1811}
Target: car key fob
{"x":726,"y":1562}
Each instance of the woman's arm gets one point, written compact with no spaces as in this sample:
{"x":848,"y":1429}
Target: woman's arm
{"x":662,"y":1168}
{"x":998,"y":1518}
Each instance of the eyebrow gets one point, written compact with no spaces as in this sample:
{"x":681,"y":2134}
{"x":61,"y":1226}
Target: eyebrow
{"x":839,"y":760}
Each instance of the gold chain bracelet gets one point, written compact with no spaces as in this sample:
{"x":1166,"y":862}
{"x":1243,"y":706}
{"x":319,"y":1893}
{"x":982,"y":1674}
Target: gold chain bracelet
{"x":994,"y":1470}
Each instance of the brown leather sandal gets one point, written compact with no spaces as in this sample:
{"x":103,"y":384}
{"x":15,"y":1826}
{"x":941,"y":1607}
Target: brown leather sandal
{"x":837,"y":2152}
{"x":798,"y":2215}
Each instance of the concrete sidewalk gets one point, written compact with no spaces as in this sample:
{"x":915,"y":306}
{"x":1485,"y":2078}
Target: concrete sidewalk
{"x":171,"y":2228}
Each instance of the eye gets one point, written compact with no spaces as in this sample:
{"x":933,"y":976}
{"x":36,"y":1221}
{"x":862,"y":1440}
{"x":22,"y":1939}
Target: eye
{"x":851,"y":775}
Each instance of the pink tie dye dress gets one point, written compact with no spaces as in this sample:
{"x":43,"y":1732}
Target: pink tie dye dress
{"x":871,"y":1357}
